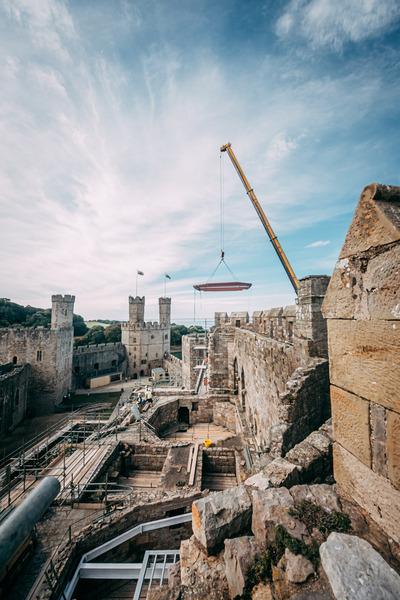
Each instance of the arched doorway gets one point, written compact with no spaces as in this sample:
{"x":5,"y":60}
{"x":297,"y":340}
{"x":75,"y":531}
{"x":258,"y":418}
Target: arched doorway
{"x":243,"y":389}
{"x":134,"y":376}
{"x":235,"y":377}
{"x":183,"y":415}
{"x":142,"y":373}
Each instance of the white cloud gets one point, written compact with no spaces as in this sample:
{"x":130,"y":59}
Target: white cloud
{"x":281,"y":146}
{"x":318,"y":244}
{"x":325,"y":23}
{"x":107,"y":165}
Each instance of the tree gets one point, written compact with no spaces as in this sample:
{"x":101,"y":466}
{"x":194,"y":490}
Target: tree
{"x":95,"y":335}
{"x":80,"y":327}
{"x":113,"y":333}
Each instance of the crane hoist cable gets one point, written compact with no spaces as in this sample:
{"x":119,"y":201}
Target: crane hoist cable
{"x":222,"y":286}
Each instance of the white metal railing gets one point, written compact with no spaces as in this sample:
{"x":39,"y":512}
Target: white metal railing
{"x":150,"y":556}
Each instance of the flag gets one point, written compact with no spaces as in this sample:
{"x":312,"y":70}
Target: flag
{"x":140,"y":273}
{"x":167,"y":276}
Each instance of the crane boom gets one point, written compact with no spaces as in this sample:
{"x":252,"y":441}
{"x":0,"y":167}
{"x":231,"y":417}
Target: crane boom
{"x":263,"y":218}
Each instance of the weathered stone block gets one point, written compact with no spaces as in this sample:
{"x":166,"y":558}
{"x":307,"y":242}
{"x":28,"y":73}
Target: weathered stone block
{"x":239,"y":556}
{"x":297,"y":567}
{"x":364,"y":358}
{"x":376,"y":220}
{"x":221,"y":515}
{"x":321,"y":494}
{"x":371,"y":491}
{"x":377,"y":418}
{"x":258,"y":481}
{"x":393,"y":448}
{"x":271,"y":508}
{"x":355,"y":570}
{"x":281,"y":472}
{"x":365,"y":286}
{"x":350,"y":417}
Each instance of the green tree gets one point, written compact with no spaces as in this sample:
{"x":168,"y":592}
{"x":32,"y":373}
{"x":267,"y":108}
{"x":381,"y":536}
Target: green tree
{"x":80,"y":327}
{"x":95,"y":335}
{"x":113,"y":333}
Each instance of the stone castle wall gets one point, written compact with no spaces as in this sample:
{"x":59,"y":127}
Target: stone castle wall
{"x":362,"y":307}
{"x":173,"y":365}
{"x":48,"y":351}
{"x":146,"y":343}
{"x":276,"y":368}
{"x":98,"y":359}
{"x":193,"y":353}
{"x":14,"y":382}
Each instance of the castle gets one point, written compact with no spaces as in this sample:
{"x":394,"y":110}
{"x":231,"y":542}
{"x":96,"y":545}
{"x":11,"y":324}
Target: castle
{"x":48,"y":351}
{"x":146,"y":343}
{"x":57,"y":369}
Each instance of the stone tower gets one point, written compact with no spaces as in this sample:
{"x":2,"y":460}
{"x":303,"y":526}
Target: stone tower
{"x":136,"y":309}
{"x":62,"y":311}
{"x":164,"y":311}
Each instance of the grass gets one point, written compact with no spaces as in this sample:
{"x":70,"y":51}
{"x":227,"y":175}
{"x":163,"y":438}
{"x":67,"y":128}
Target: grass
{"x":314,"y":516}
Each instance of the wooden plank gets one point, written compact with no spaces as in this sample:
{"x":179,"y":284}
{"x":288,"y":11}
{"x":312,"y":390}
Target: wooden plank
{"x":194,"y":465}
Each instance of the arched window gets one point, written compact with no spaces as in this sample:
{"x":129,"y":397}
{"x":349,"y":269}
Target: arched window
{"x":15,"y":360}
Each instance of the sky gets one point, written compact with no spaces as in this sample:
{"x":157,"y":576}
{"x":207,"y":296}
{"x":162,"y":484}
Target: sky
{"x":112,"y":114}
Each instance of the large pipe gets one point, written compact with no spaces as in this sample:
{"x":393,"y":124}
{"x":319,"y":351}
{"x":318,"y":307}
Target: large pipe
{"x":17,"y":527}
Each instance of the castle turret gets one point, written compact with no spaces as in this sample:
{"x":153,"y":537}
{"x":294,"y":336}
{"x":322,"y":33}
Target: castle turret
{"x":136,"y":309}
{"x":164,"y":311}
{"x":310,"y":328}
{"x":62,"y":311}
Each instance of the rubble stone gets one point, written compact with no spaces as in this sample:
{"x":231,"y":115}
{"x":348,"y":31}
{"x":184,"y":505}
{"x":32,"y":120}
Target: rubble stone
{"x":202,"y":576}
{"x":271,"y":508}
{"x":322,"y":494}
{"x":298,"y":567}
{"x":281,"y":472}
{"x":221,"y":515}
{"x":239,"y":556}
{"x":356,"y":571}
{"x":262,"y":591}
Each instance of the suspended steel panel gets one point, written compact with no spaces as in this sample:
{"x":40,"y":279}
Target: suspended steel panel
{"x":223,"y":286}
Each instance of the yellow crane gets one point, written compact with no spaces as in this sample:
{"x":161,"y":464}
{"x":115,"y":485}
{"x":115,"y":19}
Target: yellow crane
{"x":263,"y":218}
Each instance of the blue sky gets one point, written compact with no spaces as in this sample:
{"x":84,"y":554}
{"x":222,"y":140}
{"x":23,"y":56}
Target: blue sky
{"x":111,"y":119}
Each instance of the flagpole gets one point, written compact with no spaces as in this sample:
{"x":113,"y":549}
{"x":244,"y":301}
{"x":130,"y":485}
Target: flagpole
{"x":137,"y":275}
{"x":165,"y":286}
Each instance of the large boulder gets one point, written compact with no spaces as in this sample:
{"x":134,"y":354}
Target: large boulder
{"x":271,"y":508}
{"x":221,"y":515}
{"x":239,"y":555}
{"x":356,"y":571}
{"x":202,"y":576}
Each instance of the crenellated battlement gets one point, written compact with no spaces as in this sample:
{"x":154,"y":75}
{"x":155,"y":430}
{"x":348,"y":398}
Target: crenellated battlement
{"x":63,"y":298}
{"x":149,"y":326}
{"x":98,"y":348}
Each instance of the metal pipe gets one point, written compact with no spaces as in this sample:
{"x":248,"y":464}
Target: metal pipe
{"x":16,"y":528}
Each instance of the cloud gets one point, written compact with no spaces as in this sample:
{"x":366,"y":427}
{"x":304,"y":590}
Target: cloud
{"x":281,"y":146}
{"x":109,"y":159}
{"x":328,"y":24}
{"x":318,"y":244}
